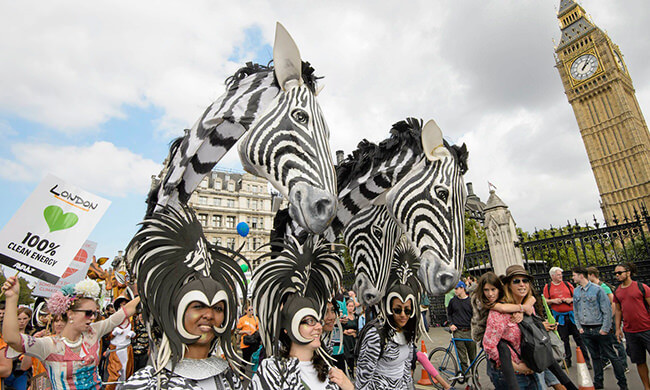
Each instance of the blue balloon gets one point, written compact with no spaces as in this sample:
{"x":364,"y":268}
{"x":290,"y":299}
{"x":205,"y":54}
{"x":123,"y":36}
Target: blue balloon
{"x":242,"y":229}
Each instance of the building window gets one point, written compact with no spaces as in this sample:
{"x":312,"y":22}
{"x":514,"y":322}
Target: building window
{"x":217,"y":185}
{"x":254,"y":204}
{"x":204,"y":183}
{"x":216,"y":201}
{"x":231,"y":203}
{"x":256,"y":189}
{"x":230,"y":243}
{"x":262,"y":223}
{"x":254,"y":223}
{"x":230,"y":222}
{"x":231,"y":186}
{"x":203,"y":218}
{"x":216,"y":220}
{"x":256,"y":243}
{"x":218,"y":241}
{"x":203,"y":200}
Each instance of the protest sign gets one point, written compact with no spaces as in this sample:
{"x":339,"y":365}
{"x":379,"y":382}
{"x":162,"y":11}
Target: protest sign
{"x":44,"y":236}
{"x":76,"y":271}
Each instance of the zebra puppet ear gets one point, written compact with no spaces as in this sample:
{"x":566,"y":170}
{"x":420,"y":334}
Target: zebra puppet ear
{"x":432,"y":142}
{"x":287,"y":64}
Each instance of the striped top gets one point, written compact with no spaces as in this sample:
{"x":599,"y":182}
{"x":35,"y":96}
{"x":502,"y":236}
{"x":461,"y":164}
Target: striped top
{"x":71,"y":368}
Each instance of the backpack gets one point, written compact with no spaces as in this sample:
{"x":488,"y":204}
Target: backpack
{"x":642,"y":289}
{"x":547,"y":288}
{"x":536,"y":347}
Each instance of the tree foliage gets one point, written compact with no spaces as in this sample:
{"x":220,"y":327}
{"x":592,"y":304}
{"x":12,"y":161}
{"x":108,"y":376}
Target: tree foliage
{"x":25,"y":297}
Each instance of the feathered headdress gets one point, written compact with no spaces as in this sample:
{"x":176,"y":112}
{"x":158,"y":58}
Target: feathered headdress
{"x":175,"y":265}
{"x":292,"y":284}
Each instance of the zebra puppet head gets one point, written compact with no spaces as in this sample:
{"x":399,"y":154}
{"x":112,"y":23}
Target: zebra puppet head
{"x":428,"y":205}
{"x":269,"y":105}
{"x":289,"y":143}
{"x":371,"y":237}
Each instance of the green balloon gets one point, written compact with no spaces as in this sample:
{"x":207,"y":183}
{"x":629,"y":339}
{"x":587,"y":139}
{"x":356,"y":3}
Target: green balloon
{"x":244,"y":267}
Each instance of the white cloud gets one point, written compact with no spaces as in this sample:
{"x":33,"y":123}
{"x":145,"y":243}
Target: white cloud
{"x":101,"y":167}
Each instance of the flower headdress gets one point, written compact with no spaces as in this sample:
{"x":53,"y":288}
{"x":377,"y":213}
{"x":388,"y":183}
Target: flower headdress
{"x":61,"y":301}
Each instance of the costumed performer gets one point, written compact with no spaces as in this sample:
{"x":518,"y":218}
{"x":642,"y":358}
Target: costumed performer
{"x":120,"y":358}
{"x":71,"y":358}
{"x":290,"y":298}
{"x":189,"y":291}
{"x":387,"y":351}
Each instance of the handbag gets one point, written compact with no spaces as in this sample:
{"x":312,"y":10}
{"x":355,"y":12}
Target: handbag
{"x":253,"y":339}
{"x":536,"y":349}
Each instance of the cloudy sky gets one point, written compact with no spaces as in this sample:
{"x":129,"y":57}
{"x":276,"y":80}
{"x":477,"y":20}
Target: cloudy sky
{"x":94,"y":91}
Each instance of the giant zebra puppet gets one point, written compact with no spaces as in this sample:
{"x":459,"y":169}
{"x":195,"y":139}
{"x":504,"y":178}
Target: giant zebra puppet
{"x":416,"y":178}
{"x":286,"y":138}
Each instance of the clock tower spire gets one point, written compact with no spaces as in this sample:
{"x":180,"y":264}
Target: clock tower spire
{"x":600,"y":90}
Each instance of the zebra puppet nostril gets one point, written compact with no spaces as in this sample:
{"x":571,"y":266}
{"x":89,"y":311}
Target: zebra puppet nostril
{"x":447,"y":281}
{"x":323,"y":206}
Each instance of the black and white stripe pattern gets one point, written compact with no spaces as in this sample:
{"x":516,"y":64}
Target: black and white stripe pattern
{"x":216,"y":131}
{"x":429,"y":205}
{"x":370,"y":373}
{"x":371,"y":237}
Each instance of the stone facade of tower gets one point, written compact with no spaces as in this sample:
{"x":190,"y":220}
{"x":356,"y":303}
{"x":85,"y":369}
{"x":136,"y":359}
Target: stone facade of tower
{"x":600,"y":90}
{"x":501,"y":233}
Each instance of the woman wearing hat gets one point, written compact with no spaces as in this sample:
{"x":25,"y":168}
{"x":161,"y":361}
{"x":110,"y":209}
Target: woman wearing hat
{"x":500,"y":327}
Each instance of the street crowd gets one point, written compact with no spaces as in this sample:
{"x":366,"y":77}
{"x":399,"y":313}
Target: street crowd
{"x":72,"y":343}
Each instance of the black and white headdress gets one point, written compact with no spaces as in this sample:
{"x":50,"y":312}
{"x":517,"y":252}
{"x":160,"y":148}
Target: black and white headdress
{"x":292,"y":284}
{"x":175,"y":265}
{"x":404,"y":284}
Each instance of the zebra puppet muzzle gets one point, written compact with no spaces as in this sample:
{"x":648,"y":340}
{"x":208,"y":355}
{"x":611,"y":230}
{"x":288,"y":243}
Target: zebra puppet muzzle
{"x":289,"y":144}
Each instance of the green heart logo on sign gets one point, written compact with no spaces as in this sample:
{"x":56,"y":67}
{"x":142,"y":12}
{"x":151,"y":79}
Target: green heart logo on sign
{"x":56,"y":220}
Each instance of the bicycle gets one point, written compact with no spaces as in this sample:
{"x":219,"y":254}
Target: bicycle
{"x":447,"y":362}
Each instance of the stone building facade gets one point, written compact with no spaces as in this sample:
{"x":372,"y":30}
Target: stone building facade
{"x":600,"y":90}
{"x":226,"y":198}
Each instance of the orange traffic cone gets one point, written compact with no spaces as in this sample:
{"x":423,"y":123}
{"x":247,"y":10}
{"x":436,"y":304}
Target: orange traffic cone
{"x":584,"y":379}
{"x":424,"y":381}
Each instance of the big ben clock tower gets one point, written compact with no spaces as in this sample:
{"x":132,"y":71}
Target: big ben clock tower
{"x":600,"y":90}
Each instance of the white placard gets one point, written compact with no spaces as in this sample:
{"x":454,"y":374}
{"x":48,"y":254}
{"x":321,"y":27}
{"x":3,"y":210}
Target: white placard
{"x":76,"y":271}
{"x":44,"y":236}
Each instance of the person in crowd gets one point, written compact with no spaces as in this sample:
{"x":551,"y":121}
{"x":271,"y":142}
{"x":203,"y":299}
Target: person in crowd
{"x":424,"y":309}
{"x":2,"y":312}
{"x":357,"y":305}
{"x":333,"y":334}
{"x":387,"y":343}
{"x":109,"y":310}
{"x":593,"y":316}
{"x":290,"y":293}
{"x":350,"y":332}
{"x":470,"y":281}
{"x":247,"y":325}
{"x":559,"y":295}
{"x":21,"y":372}
{"x":80,"y":337}
{"x":632,"y":300}
{"x":361,"y":319}
{"x":594,"y":277}
{"x":487,"y":296}
{"x":189,"y":295}
{"x":459,"y":315}
{"x":5,"y":363}
{"x":500,"y":327}
{"x":120,"y":351}
{"x":140,"y":343}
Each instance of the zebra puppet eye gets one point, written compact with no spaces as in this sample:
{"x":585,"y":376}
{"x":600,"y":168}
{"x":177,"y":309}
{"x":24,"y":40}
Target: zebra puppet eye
{"x":300,"y":115}
{"x":442,"y":193}
{"x":376,"y":231}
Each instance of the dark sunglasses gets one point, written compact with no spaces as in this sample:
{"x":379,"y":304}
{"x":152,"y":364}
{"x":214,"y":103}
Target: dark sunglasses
{"x":524,"y":280}
{"x":89,"y":313}
{"x":398,"y":311}
{"x":310,"y":321}
{"x":619,"y":272}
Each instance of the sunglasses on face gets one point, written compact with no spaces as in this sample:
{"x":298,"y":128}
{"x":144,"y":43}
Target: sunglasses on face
{"x":517,"y":281}
{"x":310,"y":321}
{"x":89,"y":313}
{"x":398,"y":311}
{"x":617,"y":273}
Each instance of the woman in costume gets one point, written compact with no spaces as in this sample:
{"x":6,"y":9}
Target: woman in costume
{"x":350,"y":329}
{"x":189,"y":292}
{"x":290,"y":297}
{"x":387,"y":343}
{"x":70,"y":359}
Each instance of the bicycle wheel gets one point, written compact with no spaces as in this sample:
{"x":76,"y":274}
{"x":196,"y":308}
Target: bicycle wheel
{"x":480,"y":378}
{"x":445,"y":362}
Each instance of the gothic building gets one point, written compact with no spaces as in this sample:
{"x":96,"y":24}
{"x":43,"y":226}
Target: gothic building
{"x":600,"y":90}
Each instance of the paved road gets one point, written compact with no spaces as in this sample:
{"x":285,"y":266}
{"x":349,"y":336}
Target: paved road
{"x":440,"y":338}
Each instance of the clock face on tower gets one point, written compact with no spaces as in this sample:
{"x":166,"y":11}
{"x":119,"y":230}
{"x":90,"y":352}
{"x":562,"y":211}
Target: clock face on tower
{"x":584,"y":67}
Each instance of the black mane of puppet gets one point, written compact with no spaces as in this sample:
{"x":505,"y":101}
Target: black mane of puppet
{"x":460,"y":154}
{"x":308,"y":74}
{"x":403,"y":134}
